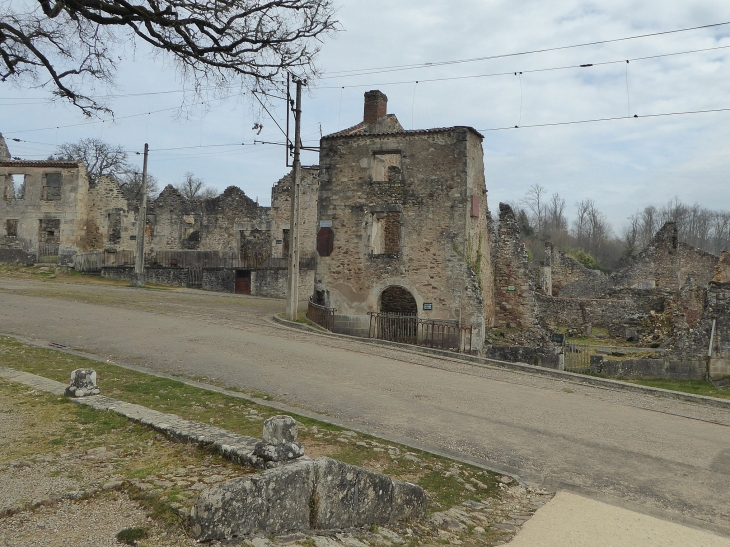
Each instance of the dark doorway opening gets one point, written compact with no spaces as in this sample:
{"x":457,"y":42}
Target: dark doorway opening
{"x":399,"y":301}
{"x":243,"y":281}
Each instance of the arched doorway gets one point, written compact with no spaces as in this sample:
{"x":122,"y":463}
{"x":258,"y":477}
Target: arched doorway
{"x":398,"y":317}
{"x":397,"y":300}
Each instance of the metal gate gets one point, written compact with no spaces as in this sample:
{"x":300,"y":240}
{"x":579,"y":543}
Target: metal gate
{"x":577,"y":357}
{"x":195,"y":277}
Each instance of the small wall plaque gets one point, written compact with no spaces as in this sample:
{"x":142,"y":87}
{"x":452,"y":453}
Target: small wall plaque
{"x":558,"y":338}
{"x":278,"y":241}
{"x":511,"y":288}
{"x":325,"y":224}
{"x":428,"y":306}
{"x":133,"y":238}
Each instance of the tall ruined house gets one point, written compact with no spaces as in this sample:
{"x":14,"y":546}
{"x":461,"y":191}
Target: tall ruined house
{"x":403,"y":223}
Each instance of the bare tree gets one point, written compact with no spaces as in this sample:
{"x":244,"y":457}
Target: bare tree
{"x":101,"y":158}
{"x":194,"y":188}
{"x":554,"y":217}
{"x":131,"y":185}
{"x":534,"y":201}
{"x":70,"y":44}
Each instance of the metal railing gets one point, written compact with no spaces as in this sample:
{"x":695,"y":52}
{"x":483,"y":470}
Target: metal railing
{"x":321,"y":315}
{"x":577,"y":357}
{"x":47,"y":252}
{"x":89,"y":262}
{"x":409,"y":329}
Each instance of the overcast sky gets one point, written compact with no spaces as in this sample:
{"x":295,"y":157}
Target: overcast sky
{"x":623,"y":165}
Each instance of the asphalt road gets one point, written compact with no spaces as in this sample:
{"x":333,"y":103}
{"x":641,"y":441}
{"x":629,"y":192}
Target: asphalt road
{"x":660,"y":454}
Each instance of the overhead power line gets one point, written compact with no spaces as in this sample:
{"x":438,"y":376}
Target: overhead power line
{"x":595,"y":120}
{"x":394,"y":68}
{"x":549,"y":69}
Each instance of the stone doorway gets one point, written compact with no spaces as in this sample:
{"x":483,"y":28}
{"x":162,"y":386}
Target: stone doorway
{"x":397,"y":300}
{"x":243,"y":282}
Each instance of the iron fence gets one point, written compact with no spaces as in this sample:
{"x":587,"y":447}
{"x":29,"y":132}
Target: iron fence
{"x":47,"y":252}
{"x":577,"y":357}
{"x":321,"y":315}
{"x":89,"y":262}
{"x":409,"y":329}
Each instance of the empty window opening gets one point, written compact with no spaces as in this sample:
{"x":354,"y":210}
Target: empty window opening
{"x":115,"y":228}
{"x":50,"y":230}
{"x":16,"y":189}
{"x":11,"y":227}
{"x":398,"y":300}
{"x":385,"y":234}
{"x":387,"y":167}
{"x":255,"y":247}
{"x":52,"y":187}
{"x":285,"y":244}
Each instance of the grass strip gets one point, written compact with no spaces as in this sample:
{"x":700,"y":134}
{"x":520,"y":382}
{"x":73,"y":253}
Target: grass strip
{"x":448,"y":483}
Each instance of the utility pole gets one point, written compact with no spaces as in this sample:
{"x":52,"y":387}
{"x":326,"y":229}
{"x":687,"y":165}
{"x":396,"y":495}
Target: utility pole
{"x":138,"y":278}
{"x":292,"y":286}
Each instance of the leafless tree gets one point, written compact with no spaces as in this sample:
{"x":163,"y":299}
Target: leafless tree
{"x":554,"y":216}
{"x":131,"y":185}
{"x":194,"y":188}
{"x":534,"y":201}
{"x":101,"y":158}
{"x":71,"y":45}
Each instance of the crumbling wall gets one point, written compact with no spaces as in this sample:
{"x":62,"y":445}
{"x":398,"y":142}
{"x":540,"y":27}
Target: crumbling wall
{"x":614,"y":315}
{"x":563,"y":270}
{"x":51,"y":191}
{"x":281,"y":213}
{"x":514,"y":287}
{"x":110,"y":223}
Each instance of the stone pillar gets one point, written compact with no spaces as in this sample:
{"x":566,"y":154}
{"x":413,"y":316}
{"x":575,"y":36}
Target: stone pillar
{"x":83,"y":383}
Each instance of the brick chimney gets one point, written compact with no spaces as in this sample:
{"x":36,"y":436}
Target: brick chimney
{"x":376,"y":106}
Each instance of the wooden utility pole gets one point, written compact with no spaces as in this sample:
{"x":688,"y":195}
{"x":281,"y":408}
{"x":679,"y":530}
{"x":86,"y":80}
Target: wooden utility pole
{"x":138,"y":278}
{"x":292,"y":285}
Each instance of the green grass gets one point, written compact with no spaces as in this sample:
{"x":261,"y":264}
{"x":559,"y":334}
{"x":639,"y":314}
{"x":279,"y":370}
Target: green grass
{"x":234,"y":414}
{"x":696,"y":387}
{"x":131,"y":536}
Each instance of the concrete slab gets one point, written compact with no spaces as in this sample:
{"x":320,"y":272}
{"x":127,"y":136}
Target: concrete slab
{"x":569,"y":519}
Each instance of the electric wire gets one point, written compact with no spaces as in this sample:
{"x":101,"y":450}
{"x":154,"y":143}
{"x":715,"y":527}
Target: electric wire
{"x":609,"y":119}
{"x":380,"y":70}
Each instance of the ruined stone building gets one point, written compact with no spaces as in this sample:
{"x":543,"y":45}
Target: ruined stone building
{"x":49,"y":211}
{"x":403,"y":223}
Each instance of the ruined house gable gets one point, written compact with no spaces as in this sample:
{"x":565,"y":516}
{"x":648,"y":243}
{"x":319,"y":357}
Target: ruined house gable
{"x":4,"y":152}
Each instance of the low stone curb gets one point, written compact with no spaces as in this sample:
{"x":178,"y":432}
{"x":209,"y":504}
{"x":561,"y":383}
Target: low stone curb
{"x":565,"y":376}
{"x":234,"y":447}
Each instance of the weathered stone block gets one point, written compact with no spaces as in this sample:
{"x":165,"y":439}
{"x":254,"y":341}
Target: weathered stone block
{"x":83,"y":383}
{"x":310,"y":494}
{"x":348,"y":496}
{"x":280,"y":429}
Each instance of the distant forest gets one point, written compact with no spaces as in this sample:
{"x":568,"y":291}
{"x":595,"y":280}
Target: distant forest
{"x":590,"y":238}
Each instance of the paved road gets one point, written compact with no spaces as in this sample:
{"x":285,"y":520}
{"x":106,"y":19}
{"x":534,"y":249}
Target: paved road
{"x":659,"y":454}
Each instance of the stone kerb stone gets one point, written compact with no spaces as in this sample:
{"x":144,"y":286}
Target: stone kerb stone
{"x":279,"y":442}
{"x":83,"y":383}
{"x":321,"y":494}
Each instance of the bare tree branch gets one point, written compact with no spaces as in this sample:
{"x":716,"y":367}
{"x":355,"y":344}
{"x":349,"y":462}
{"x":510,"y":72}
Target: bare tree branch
{"x":67,"y":44}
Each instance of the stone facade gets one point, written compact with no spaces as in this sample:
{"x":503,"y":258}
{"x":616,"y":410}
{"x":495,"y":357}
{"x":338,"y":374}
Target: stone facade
{"x":403,"y":209}
{"x":43,"y":207}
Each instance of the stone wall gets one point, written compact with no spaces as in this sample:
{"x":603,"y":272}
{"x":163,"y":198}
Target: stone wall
{"x":46,"y":191}
{"x":175,"y":277}
{"x":433,"y":180}
{"x":271,"y":282}
{"x":653,"y":369}
{"x":514,"y":287}
{"x":562,"y":270}
{"x":614,"y":314}
{"x":110,"y":214}
{"x":219,"y":279}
